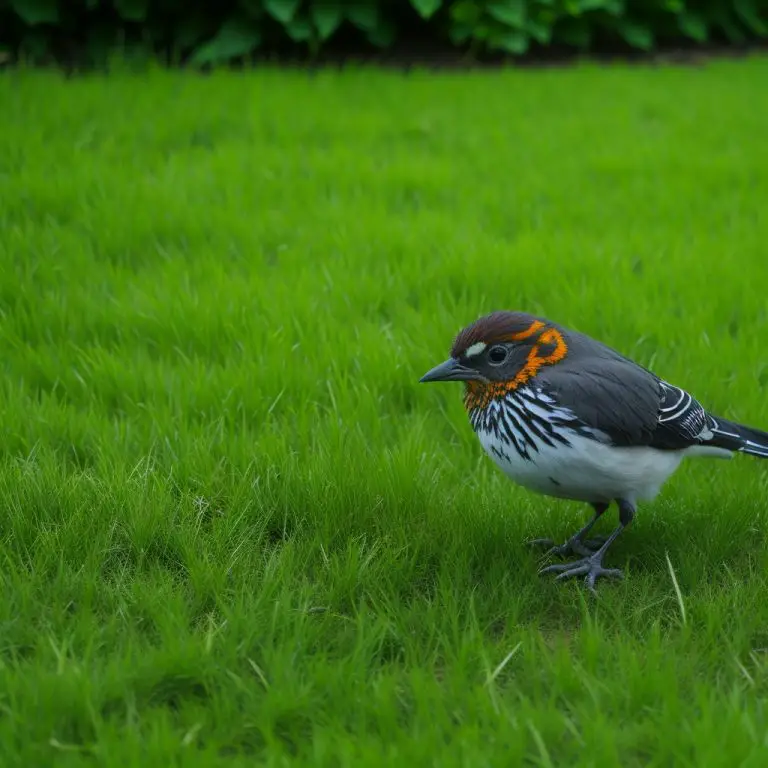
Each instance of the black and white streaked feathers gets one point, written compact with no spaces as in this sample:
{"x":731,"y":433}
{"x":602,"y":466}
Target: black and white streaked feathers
{"x":528,"y":419}
{"x":683,"y":421}
{"x":545,"y":447}
{"x":682,"y":416}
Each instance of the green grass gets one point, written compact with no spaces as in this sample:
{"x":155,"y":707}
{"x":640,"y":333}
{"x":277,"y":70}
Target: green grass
{"x":234,"y":528}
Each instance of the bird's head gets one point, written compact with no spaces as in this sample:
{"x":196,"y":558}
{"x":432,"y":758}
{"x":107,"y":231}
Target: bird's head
{"x":498,"y":353}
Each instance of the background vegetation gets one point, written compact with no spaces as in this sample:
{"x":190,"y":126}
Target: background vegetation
{"x":215,"y":31}
{"x":236,"y":529}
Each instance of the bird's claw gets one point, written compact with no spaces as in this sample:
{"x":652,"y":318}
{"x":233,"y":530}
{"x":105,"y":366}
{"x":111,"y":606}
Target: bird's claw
{"x":571,"y":547}
{"x":590,"y":567}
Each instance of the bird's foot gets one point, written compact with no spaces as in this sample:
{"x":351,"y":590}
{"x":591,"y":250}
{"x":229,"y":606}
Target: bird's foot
{"x":574,"y":546}
{"x":591,"y":568}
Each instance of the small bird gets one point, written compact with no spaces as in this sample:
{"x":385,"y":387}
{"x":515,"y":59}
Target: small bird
{"x":567,"y":416}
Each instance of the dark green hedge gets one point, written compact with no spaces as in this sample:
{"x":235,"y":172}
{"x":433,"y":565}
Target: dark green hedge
{"x":216,"y":31}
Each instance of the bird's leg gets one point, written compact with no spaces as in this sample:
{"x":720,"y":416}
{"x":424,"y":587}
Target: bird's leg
{"x":576,"y":545}
{"x":591,"y":567}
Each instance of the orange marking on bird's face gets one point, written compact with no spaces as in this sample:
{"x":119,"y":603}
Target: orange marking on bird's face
{"x":479,"y":394}
{"x":534,"y":362}
{"x":536,"y":325}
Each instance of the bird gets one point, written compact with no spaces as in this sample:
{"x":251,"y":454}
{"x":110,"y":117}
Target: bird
{"x":569,"y":417}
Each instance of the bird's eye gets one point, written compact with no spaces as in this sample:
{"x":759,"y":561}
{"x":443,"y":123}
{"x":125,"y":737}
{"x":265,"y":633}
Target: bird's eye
{"x":497,"y":355}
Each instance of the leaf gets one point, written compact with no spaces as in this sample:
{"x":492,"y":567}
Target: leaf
{"x":459,"y":33}
{"x":326,"y":15}
{"x":483,"y":31}
{"x":364,"y":15}
{"x":614,"y":7}
{"x":383,"y":35}
{"x":693,"y":25}
{"x":237,"y":36}
{"x":299,"y":29}
{"x":511,"y":41}
{"x":539,"y":31}
{"x":636,"y":34}
{"x":509,"y":12}
{"x":466,"y":12}
{"x":132,"y":10}
{"x":426,"y":8}
{"x":33,"y":12}
{"x":572,"y":7}
{"x":282,"y":10}
{"x":746,"y":10}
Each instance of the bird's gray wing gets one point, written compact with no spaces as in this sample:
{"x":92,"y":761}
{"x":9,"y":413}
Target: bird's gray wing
{"x":627,"y":403}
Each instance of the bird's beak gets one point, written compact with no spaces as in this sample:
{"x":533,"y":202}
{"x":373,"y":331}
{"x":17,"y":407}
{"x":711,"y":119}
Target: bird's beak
{"x":451,"y":370}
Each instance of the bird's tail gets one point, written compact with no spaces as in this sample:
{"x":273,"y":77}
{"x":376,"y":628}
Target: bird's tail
{"x":738,"y":437}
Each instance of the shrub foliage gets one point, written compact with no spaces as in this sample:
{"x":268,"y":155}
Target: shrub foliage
{"x":216,"y":31}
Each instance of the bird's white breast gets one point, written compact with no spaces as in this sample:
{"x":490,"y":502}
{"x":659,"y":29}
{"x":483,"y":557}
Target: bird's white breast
{"x":586,"y":470}
{"x":581,"y":465}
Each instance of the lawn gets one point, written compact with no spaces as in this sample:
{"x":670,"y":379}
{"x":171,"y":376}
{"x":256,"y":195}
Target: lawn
{"x":234,"y":526}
